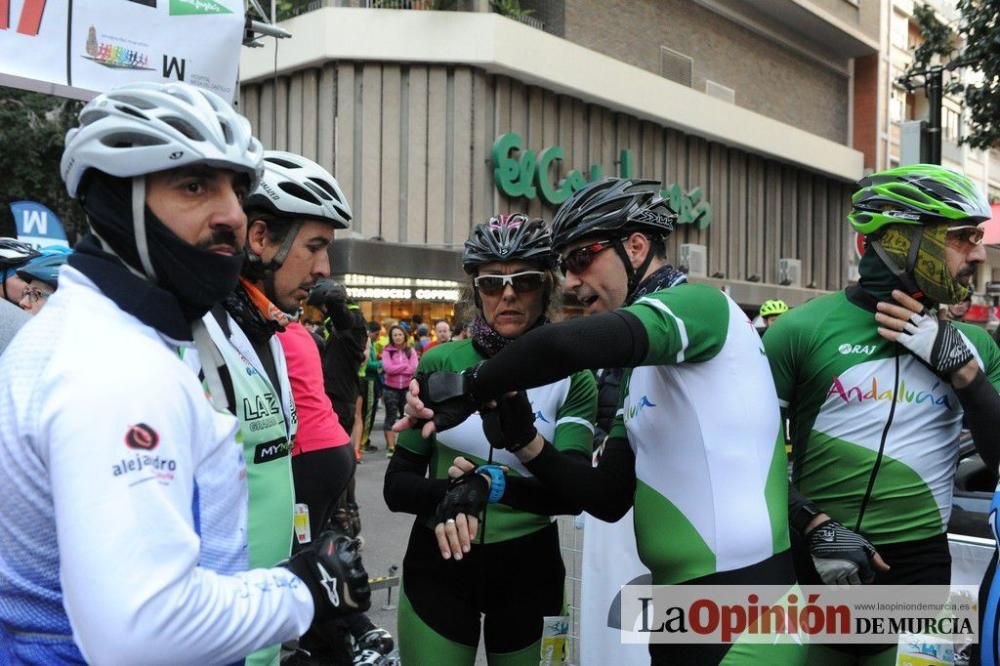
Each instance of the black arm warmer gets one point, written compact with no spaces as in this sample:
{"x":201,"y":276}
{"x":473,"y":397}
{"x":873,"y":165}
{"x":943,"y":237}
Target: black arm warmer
{"x":605,"y":491}
{"x":340,"y":315}
{"x":531,"y":495}
{"x":407,"y":489}
{"x":548,"y":353}
{"x":981,"y":403}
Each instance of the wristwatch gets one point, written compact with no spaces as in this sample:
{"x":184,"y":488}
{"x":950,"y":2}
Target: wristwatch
{"x":498,"y":481}
{"x":803,"y":515}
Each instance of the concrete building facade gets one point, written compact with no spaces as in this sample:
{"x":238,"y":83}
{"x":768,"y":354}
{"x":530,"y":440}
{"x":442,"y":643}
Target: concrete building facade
{"x":408,"y":109}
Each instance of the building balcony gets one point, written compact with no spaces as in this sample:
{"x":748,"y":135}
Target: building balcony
{"x":292,"y":8}
{"x":489,"y":42}
{"x":848,"y":33}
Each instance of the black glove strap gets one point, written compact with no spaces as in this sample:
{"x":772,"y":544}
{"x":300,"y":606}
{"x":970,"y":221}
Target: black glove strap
{"x":447,"y":394}
{"x":438,"y":387}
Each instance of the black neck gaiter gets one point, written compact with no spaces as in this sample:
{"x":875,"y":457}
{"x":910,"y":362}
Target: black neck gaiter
{"x":876,"y":278}
{"x":663,"y":277}
{"x":197,"y":279}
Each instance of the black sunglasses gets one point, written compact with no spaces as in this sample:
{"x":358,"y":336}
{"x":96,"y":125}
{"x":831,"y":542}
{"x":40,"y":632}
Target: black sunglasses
{"x":580,"y":259}
{"x":522,"y":283}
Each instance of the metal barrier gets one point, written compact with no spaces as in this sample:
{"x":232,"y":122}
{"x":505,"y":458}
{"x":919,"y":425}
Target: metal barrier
{"x":571,"y":545}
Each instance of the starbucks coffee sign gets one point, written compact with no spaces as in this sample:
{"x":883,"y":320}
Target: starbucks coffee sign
{"x":518,"y":172}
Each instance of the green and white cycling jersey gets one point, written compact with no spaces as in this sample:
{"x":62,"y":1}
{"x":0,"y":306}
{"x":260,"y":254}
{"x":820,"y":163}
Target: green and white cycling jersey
{"x":702,"y":417}
{"x":565,"y":412}
{"x":858,"y":402}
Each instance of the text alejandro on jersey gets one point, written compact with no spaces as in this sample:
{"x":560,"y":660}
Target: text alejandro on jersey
{"x":140,"y":464}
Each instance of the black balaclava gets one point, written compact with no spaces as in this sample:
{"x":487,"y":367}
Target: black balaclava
{"x":196,"y":278}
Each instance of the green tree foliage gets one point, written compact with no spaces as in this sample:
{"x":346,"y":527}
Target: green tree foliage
{"x":974,"y":43}
{"x":510,"y":8}
{"x":32,"y":130}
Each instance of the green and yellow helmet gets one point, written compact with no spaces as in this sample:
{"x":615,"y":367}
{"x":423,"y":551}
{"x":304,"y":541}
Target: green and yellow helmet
{"x":916,"y":194}
{"x":773,"y":308}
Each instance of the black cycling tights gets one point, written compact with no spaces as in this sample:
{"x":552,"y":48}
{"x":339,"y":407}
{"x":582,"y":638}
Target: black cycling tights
{"x":321,"y":477}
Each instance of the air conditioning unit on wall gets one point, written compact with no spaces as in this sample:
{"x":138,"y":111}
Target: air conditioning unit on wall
{"x":693,"y":259}
{"x":790,"y":272}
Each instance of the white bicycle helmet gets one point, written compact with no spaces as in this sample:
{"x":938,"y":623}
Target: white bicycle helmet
{"x":293,"y":186}
{"x":146,"y":127}
{"x":293,"y":189}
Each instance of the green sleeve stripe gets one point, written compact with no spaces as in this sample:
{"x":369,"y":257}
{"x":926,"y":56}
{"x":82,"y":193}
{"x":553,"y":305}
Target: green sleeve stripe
{"x":681,"y":328}
{"x":577,"y":420}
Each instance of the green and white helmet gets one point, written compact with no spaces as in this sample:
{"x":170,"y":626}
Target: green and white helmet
{"x":916,"y":194}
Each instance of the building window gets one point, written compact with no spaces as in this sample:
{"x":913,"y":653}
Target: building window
{"x":900,"y":30}
{"x":897,"y":105}
{"x":951,"y":122}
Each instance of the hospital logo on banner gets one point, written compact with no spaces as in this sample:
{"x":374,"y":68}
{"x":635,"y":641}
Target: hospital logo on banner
{"x":189,"y":7}
{"x":37,"y":225}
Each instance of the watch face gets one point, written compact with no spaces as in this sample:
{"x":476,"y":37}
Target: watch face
{"x":800,"y":521}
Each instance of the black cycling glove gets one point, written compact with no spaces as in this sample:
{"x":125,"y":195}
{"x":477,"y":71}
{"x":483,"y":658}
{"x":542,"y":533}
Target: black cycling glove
{"x":331,"y":568}
{"x":467,"y":494}
{"x":936,"y":343}
{"x":841,"y":557}
{"x":511,"y":424}
{"x":450,"y":394}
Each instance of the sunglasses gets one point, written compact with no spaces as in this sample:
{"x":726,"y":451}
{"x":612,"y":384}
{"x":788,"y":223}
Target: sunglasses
{"x":33,"y":294}
{"x":969,"y":235}
{"x":521,"y":283}
{"x":580,"y":259}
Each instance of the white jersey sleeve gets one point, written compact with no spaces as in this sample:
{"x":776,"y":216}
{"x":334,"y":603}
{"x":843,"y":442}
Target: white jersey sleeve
{"x":142,"y":473}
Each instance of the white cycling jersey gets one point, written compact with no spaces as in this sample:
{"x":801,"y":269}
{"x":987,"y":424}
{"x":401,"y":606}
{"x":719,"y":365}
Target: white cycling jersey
{"x":123,"y":501}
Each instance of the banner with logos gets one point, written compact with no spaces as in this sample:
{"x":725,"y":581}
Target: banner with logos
{"x":93,"y":45}
{"x":37,"y":224}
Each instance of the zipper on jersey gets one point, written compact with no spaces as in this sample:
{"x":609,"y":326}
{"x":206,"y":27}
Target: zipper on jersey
{"x":881,"y":446}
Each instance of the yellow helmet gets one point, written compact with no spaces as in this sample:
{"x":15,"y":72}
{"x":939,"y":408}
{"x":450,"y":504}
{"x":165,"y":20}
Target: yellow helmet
{"x":773,"y":308}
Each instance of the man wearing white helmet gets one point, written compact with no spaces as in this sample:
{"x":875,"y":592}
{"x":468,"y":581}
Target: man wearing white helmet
{"x":293,"y":214}
{"x":123,"y":500}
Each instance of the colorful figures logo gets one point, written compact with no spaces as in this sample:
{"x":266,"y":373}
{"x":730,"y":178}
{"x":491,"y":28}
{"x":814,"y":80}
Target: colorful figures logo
{"x":113,"y":55}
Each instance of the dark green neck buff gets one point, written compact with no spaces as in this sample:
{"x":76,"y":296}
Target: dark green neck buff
{"x":876,"y":278}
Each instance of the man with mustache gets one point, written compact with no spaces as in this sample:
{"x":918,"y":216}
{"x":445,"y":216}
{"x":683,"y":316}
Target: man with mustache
{"x":876,"y":388}
{"x":123,"y":494}
{"x":292,"y":216}
{"x":696,"y":449}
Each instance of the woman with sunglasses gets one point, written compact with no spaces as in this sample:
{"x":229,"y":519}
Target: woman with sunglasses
{"x":696,"y":449}
{"x":511,"y":264}
{"x":41,"y":278}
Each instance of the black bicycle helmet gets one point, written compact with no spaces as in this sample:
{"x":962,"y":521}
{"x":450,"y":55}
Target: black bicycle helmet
{"x":610,"y":209}
{"x":509,"y":237}
{"x":326,"y":291}
{"x":609,"y":206}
